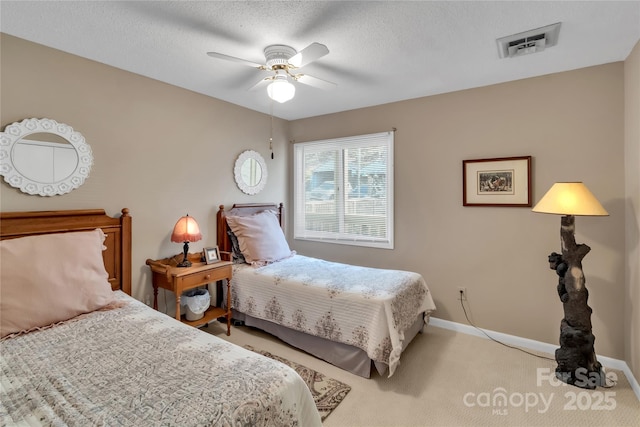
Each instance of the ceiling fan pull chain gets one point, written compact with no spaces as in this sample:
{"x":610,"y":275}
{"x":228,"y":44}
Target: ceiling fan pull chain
{"x":271,"y":136}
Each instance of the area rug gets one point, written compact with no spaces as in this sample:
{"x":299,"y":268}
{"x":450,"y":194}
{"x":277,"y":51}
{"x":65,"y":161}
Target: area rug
{"x":327,"y":392}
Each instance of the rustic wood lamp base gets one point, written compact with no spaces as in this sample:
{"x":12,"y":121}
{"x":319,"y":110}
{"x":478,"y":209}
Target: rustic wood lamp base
{"x":576,"y":357}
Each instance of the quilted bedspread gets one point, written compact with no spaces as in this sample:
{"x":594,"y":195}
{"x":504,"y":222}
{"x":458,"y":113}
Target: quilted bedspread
{"x":368,"y":308}
{"x":133,"y":366}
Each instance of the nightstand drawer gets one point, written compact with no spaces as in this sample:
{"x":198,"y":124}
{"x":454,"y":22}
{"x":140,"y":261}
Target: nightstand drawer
{"x":205,"y":276}
{"x":197,"y":279}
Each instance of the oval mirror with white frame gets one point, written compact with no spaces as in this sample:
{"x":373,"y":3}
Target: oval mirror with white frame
{"x":43,"y":157}
{"x":250,"y":172}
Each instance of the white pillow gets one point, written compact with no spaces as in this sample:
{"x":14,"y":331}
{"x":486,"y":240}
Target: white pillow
{"x":50,"y":278}
{"x":260,"y":237}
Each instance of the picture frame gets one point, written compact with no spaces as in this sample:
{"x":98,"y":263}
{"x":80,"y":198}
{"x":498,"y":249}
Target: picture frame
{"x":503,"y":181}
{"x":211,"y":255}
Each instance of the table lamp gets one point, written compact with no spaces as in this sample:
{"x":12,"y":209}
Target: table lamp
{"x":576,"y":357}
{"x":186,"y":230}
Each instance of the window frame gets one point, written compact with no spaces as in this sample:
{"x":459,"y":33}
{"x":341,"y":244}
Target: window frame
{"x":299,"y":192}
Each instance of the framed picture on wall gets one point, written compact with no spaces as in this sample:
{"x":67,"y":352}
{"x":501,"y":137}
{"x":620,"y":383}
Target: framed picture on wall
{"x":504,"y":181}
{"x":211,"y":255}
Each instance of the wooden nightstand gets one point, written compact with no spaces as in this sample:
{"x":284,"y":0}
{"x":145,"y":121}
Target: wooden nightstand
{"x":166,"y":275}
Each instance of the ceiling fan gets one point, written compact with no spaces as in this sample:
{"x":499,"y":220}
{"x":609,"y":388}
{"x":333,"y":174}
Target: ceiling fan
{"x":282,"y":61}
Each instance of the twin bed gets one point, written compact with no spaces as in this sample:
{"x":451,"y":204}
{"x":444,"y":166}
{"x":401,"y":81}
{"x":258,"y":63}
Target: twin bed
{"x":118,"y":362}
{"x":354,"y":317}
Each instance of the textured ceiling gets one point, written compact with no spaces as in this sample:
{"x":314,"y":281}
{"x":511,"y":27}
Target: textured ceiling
{"x":380,"y":52}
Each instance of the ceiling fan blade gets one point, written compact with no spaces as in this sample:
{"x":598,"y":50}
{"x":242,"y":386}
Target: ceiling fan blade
{"x":234,"y":59}
{"x":314,"y":81}
{"x":308,"y":54}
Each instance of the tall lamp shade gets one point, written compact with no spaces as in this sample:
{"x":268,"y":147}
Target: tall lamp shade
{"x":186,"y":230}
{"x":570,"y":198}
{"x":576,"y":357}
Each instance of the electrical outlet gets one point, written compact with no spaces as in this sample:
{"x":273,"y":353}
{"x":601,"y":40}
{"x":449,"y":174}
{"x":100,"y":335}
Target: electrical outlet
{"x":462,"y":294}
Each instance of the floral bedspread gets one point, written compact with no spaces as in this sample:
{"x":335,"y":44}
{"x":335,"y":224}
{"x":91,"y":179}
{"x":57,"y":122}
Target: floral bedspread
{"x":368,"y":308}
{"x":133,"y":366}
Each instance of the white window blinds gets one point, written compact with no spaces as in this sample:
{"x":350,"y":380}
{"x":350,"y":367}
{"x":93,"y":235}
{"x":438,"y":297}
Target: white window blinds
{"x":343,"y":190}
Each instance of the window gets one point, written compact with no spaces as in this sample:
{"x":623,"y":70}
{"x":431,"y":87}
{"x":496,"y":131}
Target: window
{"x":343,"y":190}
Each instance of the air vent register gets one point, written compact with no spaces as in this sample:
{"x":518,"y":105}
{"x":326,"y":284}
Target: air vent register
{"x":531,"y":41}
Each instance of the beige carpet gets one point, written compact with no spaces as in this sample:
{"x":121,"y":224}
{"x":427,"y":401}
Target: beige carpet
{"x":327,"y":392}
{"x":452,"y":379}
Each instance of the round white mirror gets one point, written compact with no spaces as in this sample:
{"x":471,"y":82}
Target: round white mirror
{"x":44,"y":157}
{"x":250,"y":172}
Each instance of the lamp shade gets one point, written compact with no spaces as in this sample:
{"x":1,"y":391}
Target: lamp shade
{"x":186,"y":230}
{"x":570,"y":198}
{"x":281,"y":90}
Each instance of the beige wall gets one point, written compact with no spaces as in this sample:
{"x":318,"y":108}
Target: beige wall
{"x":572,"y":125}
{"x":159,"y":150}
{"x":632,"y":206}
{"x":163,"y":151}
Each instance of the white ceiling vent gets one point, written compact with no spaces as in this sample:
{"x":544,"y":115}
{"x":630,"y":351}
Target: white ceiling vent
{"x":528,"y":42}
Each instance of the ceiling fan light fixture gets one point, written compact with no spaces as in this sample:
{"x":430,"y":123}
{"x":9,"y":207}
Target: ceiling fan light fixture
{"x":281,"y":90}
{"x":281,"y":59}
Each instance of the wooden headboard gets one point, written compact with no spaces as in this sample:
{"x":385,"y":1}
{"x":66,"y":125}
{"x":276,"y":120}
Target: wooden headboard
{"x":241,"y":209}
{"x":117,"y":256}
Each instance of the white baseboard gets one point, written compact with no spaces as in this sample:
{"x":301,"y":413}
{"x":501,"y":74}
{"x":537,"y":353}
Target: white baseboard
{"x":529,"y":344}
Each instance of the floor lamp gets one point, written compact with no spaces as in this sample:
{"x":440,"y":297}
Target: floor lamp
{"x":576,"y":357}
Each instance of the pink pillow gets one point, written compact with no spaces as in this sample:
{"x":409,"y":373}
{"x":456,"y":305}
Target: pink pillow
{"x":260,"y":237}
{"x":50,"y":278}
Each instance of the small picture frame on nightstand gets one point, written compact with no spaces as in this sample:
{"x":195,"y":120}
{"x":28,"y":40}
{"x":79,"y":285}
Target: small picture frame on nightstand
{"x":211,"y":255}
